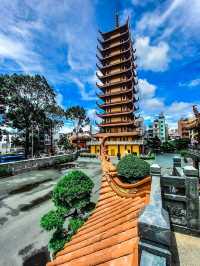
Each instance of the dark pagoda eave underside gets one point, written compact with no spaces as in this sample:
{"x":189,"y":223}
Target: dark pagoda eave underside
{"x":125,"y":71}
{"x":116,"y":113}
{"x":116,"y":124}
{"x":113,"y":84}
{"x":104,"y":50}
{"x":126,"y":61}
{"x":105,"y":105}
{"x":112,"y":56}
{"x":124,"y":92}
{"x":105,"y":34}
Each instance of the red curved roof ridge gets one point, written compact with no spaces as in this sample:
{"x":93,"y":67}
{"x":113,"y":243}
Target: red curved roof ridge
{"x":110,"y":236}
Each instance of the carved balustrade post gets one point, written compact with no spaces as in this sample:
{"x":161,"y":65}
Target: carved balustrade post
{"x":192,"y":197}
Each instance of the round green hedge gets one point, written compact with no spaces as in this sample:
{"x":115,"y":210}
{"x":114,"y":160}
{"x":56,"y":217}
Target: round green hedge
{"x":130,"y":168}
{"x":73,"y":190}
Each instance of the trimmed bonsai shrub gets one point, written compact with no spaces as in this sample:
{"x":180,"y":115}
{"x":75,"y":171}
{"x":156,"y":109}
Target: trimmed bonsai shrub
{"x":71,"y":197}
{"x":131,"y":168}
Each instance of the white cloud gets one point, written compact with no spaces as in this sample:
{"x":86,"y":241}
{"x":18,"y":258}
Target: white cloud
{"x":152,"y":21}
{"x":85,"y":94}
{"x":152,"y":57}
{"x":194,"y":83}
{"x":146,"y":89}
{"x":20,"y":52}
{"x":151,"y":105}
{"x":191,"y":83}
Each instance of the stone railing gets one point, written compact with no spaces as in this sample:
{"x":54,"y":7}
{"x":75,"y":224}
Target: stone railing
{"x":35,"y":163}
{"x":154,"y":227}
{"x":181,"y":197}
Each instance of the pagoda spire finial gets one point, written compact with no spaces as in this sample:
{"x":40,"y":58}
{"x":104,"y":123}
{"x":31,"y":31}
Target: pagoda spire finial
{"x":116,"y":20}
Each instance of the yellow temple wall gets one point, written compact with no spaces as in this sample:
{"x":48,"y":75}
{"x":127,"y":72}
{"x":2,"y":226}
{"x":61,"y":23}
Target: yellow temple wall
{"x":113,"y":149}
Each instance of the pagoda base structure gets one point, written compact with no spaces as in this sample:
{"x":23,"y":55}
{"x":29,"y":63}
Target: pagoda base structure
{"x":121,"y":145}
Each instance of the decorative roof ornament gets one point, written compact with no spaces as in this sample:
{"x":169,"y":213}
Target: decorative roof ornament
{"x":117,"y":20}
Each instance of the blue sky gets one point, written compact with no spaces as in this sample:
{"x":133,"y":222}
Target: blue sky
{"x":57,"y":38}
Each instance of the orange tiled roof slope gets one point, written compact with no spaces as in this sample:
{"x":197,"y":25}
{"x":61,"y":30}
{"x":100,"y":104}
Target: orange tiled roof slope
{"x":110,"y":235}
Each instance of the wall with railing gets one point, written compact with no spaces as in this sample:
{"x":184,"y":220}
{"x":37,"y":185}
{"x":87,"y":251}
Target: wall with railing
{"x":174,"y":205}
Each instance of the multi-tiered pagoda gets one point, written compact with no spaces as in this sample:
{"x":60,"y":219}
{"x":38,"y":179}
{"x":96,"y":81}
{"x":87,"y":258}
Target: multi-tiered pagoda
{"x":118,"y":88}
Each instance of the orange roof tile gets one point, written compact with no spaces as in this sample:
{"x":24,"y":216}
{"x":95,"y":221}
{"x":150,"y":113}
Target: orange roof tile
{"x":110,"y":236}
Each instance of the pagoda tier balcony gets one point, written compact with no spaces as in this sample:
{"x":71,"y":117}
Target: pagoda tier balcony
{"x":125,"y":62}
{"x":122,"y":92}
{"x":128,"y":52}
{"x":114,"y":74}
{"x":120,"y":44}
{"x":122,"y":113}
{"x":116,"y":124}
{"x":122,"y":28}
{"x":130,"y":80}
{"x":106,"y":42}
{"x":105,"y":105}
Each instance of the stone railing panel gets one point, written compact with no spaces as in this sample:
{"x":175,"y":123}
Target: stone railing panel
{"x":154,"y":225}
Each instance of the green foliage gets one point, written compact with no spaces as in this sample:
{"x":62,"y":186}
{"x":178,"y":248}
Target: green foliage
{"x":71,"y":196}
{"x":30,"y":104}
{"x":78,"y":116}
{"x":154,"y":143}
{"x":73,"y":187}
{"x":58,"y":240}
{"x":51,"y":221}
{"x":183,"y":153}
{"x":54,"y":219}
{"x":181,"y":144}
{"x":65,"y":143}
{"x":64,"y":159}
{"x":75,"y":224}
{"x":87,"y":155}
{"x":5,"y":171}
{"x":167,"y":146}
{"x":131,"y":168}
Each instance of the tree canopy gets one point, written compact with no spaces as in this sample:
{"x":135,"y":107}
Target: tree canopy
{"x":78,"y":116}
{"x":30,"y":104}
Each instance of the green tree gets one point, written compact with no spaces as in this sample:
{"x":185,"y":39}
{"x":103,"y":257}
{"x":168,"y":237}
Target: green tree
{"x":71,"y":197}
{"x":167,"y":146}
{"x":77,"y":115}
{"x":154,"y":143}
{"x":29,"y":102}
{"x":64,"y":143}
{"x":181,"y":144}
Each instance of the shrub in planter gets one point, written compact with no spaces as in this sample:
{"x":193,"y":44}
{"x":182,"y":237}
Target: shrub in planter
{"x":71,"y":197}
{"x":183,"y":153}
{"x":131,"y":168}
{"x":87,"y":155}
{"x":5,"y":171}
{"x":64,"y":159}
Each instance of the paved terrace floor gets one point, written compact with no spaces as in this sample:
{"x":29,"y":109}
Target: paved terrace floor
{"x":24,"y":198}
